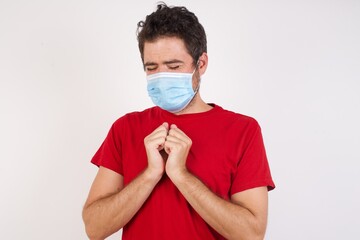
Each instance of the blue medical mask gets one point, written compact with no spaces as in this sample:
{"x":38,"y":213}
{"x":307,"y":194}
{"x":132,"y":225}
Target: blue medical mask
{"x":171,"y":91}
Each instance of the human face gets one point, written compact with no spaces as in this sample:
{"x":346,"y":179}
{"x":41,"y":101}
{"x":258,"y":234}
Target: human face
{"x":167,"y":54}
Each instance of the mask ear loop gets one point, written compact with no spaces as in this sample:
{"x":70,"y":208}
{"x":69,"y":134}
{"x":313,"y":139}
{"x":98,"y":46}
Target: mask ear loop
{"x":198,"y":85}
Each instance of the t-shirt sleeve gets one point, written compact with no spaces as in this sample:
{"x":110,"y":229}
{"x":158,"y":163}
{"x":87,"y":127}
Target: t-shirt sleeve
{"x":109,"y":153}
{"x":253,"y":168}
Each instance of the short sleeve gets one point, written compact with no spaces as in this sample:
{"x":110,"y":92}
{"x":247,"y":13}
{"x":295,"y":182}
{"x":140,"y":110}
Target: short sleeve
{"x":109,"y":153}
{"x":253,"y":168}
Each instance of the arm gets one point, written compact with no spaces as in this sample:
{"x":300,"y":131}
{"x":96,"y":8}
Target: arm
{"x":104,"y":212}
{"x":110,"y":205}
{"x":244,"y":217}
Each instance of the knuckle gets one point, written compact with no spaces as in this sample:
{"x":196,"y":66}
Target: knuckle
{"x":183,"y":144}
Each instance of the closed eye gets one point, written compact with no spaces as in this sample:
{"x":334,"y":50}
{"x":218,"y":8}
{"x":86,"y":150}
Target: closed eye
{"x":150,"y":68}
{"x":173,"y":67}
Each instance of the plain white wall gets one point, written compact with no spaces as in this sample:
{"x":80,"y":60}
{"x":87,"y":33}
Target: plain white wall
{"x":68,"y":69}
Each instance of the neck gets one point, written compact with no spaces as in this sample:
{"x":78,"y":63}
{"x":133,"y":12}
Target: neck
{"x":197,"y":105}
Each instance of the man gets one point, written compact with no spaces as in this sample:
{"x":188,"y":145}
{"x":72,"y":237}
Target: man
{"x":184,"y":169}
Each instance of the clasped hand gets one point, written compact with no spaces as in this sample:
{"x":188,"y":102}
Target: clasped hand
{"x":176,"y":145}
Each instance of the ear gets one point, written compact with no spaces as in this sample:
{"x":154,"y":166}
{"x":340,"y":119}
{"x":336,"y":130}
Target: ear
{"x":203,"y":63}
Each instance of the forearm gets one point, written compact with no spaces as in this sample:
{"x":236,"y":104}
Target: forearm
{"x":229,"y":219}
{"x":109,"y":214}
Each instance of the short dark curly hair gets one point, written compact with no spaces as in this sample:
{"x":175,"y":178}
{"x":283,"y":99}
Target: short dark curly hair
{"x":173,"y":21}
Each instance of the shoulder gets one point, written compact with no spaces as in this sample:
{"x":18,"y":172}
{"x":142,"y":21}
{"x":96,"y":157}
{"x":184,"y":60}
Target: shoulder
{"x":137,"y":116}
{"x":238,"y":119}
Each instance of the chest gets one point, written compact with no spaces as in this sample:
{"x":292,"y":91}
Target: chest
{"x":212,"y":157}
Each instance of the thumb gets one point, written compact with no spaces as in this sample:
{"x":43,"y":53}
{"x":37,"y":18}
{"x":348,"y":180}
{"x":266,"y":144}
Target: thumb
{"x":166,"y":125}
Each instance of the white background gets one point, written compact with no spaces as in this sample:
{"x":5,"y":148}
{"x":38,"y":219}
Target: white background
{"x":69,"y":69}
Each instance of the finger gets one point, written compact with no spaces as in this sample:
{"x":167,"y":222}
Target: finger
{"x":166,"y":125}
{"x":161,"y":128}
{"x":175,"y":129}
{"x":157,"y":143}
{"x":157,"y":137}
{"x":167,"y":150}
{"x":173,"y":143}
{"x":177,"y":133}
{"x":174,"y":139}
{"x":179,"y":147}
{"x":170,"y":145}
{"x":160,"y":132}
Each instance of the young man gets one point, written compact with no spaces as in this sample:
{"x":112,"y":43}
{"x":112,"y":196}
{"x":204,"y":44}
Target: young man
{"x":184,"y":169}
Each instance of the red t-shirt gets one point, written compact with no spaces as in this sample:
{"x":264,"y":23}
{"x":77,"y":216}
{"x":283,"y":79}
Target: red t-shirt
{"x":227,"y":155}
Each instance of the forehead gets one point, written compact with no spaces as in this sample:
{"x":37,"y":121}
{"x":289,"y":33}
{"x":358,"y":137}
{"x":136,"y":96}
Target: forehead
{"x":165,"y":48}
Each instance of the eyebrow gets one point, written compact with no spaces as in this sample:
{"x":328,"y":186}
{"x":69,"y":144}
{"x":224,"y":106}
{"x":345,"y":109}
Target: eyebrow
{"x":173,"y":61}
{"x":149,"y":64}
{"x":165,"y":62}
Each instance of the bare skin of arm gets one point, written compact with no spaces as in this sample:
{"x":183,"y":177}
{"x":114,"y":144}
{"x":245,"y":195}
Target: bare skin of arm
{"x":104,"y":212}
{"x":244,"y":217}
